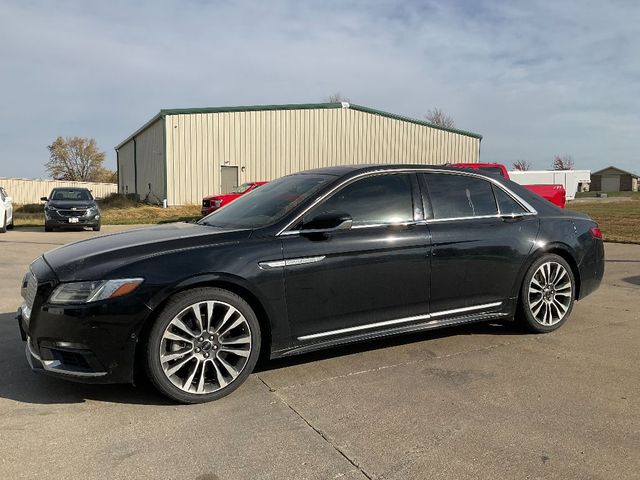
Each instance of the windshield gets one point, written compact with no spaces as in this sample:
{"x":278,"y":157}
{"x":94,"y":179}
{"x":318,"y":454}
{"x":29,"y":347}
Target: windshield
{"x":267,"y":204}
{"x":242,"y":188}
{"x":70,"y":194}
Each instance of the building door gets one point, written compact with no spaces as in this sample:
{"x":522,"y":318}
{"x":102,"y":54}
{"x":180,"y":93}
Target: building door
{"x":611,"y":183}
{"x":229,"y":176}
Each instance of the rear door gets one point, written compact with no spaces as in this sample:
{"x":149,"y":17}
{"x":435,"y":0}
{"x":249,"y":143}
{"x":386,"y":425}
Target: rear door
{"x":481,"y":236}
{"x":367,"y":278}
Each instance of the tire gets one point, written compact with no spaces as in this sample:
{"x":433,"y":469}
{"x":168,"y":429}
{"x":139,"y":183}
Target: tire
{"x":10,"y":226}
{"x":96,"y":229}
{"x":3,"y":228}
{"x":48,"y":229}
{"x":547,"y":294}
{"x":187,"y":365}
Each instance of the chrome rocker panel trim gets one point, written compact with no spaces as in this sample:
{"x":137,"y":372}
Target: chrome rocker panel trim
{"x":402,"y":320}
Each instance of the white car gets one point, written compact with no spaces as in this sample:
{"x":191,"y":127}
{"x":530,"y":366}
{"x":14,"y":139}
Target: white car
{"x":6,"y":211}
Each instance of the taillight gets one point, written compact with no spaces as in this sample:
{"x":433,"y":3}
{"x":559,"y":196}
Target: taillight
{"x":596,"y":232}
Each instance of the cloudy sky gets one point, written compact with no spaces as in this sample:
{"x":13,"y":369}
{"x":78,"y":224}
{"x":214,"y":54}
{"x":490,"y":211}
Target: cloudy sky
{"x":536,"y":78}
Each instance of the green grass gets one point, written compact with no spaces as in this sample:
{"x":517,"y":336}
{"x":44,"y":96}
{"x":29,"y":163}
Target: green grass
{"x":634,"y":195}
{"x":619,"y":221}
{"x":116,"y":210}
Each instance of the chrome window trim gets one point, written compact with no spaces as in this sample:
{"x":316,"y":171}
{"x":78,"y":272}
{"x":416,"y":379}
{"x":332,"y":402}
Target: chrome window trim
{"x":426,"y":316}
{"x":515,"y":196}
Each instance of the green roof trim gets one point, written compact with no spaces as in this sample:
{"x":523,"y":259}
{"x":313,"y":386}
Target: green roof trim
{"x":293,"y":106}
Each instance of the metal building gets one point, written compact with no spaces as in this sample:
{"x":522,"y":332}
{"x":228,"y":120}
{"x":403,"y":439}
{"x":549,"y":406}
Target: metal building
{"x":612,"y":179}
{"x":182,"y":155}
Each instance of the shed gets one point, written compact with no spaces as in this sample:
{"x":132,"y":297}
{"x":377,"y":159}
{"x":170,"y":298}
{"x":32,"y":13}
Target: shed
{"x":612,"y":179}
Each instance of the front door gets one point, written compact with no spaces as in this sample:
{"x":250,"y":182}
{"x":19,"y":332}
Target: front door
{"x":366,"y":278}
{"x":477,"y":250}
{"x":229,"y":179}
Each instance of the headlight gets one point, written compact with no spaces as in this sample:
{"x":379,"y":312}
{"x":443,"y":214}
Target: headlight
{"x":86,"y":292}
{"x":217,"y":202}
{"x":49,"y":207}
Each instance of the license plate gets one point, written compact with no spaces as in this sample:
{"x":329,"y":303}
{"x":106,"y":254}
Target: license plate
{"x":73,"y":219}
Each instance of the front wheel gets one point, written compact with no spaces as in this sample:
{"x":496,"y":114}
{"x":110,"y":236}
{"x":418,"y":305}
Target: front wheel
{"x":203,"y":345}
{"x":548,"y":294}
{"x":96,"y":229}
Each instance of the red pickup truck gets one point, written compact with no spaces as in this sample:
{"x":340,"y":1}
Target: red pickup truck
{"x":556,"y":194}
{"x":214,"y":202}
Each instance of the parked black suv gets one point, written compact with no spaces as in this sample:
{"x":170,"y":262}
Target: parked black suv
{"x":70,"y":207}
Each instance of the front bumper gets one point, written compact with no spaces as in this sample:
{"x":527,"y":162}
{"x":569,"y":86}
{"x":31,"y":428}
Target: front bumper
{"x":83,"y":343}
{"x":54,"y":219}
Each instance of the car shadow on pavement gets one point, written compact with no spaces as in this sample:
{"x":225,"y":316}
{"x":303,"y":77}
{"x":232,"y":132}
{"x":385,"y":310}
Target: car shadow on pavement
{"x":484,"y":328}
{"x":635,"y":280}
{"x":19,"y":383}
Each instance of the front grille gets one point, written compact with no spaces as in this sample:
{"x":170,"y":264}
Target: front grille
{"x":72,"y":213}
{"x":32,"y":289}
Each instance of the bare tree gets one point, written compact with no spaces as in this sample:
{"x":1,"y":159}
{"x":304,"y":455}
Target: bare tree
{"x":438,"y":117}
{"x":521,"y":165}
{"x":77,"y":159}
{"x":563,"y":162}
{"x":337,"y":98}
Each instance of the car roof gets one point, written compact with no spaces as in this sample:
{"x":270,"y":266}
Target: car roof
{"x":358,"y":169}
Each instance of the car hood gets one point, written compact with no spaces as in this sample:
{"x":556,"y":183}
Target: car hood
{"x":94,"y":258}
{"x":69,"y":204}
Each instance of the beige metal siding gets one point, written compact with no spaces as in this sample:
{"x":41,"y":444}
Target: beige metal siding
{"x":126,"y":172}
{"x":26,"y":190}
{"x":269,"y":144}
{"x":149,"y":159}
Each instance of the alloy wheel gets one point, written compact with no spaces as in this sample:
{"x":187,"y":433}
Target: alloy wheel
{"x":550,"y":293}
{"x":205,"y":347}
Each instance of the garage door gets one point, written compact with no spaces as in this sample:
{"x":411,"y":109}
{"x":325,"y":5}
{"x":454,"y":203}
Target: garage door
{"x":611,"y":183}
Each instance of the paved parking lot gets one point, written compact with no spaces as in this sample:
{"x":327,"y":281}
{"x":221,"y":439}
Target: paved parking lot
{"x":483,"y":401}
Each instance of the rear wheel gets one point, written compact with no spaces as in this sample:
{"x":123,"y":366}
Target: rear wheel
{"x":548,"y":294}
{"x":203,"y":345}
{"x":3,"y":228}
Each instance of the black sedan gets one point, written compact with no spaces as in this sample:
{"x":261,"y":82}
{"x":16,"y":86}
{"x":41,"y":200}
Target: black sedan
{"x":70,"y":207}
{"x":309,"y":261}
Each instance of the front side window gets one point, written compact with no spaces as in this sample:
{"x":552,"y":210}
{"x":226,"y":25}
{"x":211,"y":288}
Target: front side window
{"x":3,"y":194}
{"x":460,"y":196}
{"x":379,"y":199}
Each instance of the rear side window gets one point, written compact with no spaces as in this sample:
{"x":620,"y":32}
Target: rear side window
{"x":372,"y":200}
{"x":458,"y":196}
{"x":506,"y":204}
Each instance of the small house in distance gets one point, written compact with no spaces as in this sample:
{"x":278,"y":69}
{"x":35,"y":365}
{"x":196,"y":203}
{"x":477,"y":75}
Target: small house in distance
{"x":612,"y":179}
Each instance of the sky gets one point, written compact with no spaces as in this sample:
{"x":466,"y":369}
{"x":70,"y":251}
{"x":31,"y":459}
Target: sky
{"x":535,"y":78}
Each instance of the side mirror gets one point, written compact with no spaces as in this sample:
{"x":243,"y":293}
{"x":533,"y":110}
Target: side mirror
{"x":327,"y":223}
{"x":43,"y":199}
